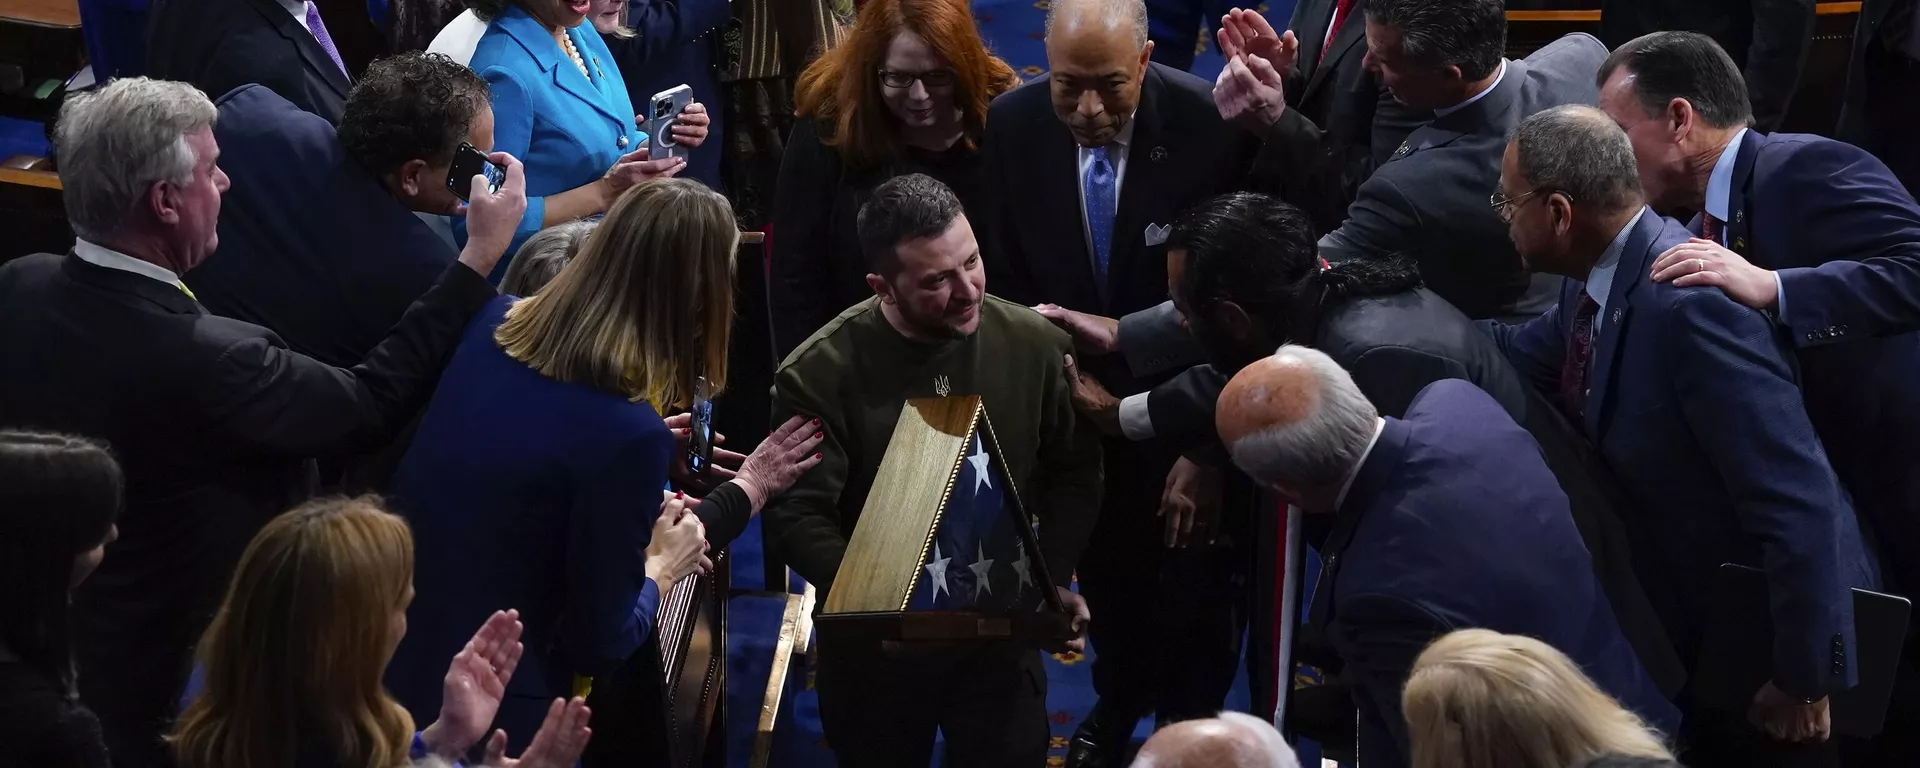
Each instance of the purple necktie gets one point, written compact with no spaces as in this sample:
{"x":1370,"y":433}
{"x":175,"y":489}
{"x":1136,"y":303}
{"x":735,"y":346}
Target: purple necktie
{"x":319,"y":29}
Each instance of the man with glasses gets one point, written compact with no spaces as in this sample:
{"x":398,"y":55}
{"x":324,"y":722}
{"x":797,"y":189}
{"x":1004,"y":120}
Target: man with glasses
{"x":1693,"y":405}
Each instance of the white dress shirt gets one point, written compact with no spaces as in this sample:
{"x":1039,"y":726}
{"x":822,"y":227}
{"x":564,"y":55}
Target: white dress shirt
{"x":299,"y":10}
{"x":1116,"y":157}
{"x":101,"y":256}
{"x":1379,"y":424}
{"x":1600,"y":279}
{"x":1497,"y":77}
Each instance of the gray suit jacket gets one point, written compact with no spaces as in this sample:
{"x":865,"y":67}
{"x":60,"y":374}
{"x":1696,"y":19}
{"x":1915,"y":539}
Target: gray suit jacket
{"x":1429,"y":200}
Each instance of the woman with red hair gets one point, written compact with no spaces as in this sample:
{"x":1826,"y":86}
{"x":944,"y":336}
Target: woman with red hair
{"x":905,"y":91}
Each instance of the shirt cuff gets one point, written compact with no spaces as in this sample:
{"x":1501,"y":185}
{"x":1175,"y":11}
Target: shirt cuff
{"x":1779,"y":296}
{"x":418,"y":749}
{"x":1136,"y":421}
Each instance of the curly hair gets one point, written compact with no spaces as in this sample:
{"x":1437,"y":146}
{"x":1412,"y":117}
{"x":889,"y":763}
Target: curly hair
{"x":413,"y":106}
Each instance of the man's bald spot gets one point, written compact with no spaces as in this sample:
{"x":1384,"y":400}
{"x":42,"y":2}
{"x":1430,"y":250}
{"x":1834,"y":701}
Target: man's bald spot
{"x":1209,"y":743}
{"x":1274,"y":391}
{"x":1116,"y":20}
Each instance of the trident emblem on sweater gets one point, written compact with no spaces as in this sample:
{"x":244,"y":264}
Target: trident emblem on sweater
{"x":940,"y":386}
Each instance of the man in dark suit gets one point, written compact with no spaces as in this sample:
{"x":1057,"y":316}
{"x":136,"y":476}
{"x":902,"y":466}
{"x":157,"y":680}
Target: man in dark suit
{"x":1815,"y":231}
{"x":1089,"y":165}
{"x":220,"y":45}
{"x":211,"y":418}
{"x":1335,"y":121}
{"x":1444,"y":58}
{"x":1770,"y":36}
{"x":1693,"y":404}
{"x":1882,"y":102}
{"x":1409,"y":558}
{"x":320,"y":242}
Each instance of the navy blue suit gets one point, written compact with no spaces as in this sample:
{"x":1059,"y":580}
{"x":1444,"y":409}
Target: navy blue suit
{"x":675,"y":42}
{"x":311,"y":245}
{"x":1845,"y":236}
{"x":529,"y":493}
{"x":1692,"y":402}
{"x":1409,"y":560}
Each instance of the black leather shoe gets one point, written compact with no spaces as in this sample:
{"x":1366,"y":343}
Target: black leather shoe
{"x":1102,"y":739}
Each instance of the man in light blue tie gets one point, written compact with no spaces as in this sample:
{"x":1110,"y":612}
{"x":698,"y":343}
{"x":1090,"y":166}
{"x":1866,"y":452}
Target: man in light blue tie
{"x":1089,"y":165}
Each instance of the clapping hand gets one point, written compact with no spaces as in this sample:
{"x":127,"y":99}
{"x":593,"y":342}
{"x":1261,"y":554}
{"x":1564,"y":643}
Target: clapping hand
{"x":1250,"y":92}
{"x":493,"y":216}
{"x":476,"y":682}
{"x":1244,"y":32}
{"x":719,"y":469}
{"x":562,"y":737}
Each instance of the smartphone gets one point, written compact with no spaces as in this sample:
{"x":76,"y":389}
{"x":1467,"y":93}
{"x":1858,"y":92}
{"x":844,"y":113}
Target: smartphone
{"x":700,"y":448}
{"x":468,"y":163}
{"x":661,"y":112}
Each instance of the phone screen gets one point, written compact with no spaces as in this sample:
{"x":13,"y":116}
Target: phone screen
{"x":468,"y":163}
{"x":700,"y":448}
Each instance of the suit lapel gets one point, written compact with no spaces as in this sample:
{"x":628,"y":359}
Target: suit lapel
{"x":1349,"y":37}
{"x":1147,"y":160}
{"x":1382,"y":463}
{"x":567,"y":77}
{"x":316,"y":58}
{"x":1740,"y":228}
{"x":1311,"y":20}
{"x":1635,"y":261}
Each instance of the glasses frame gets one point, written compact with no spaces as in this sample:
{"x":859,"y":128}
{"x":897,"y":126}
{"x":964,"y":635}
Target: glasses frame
{"x":927,"y":78}
{"x":1505,"y":207}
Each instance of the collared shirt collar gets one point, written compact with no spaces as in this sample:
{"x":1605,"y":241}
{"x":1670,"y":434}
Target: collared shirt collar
{"x":1379,"y":424}
{"x":1124,"y":138}
{"x":1600,"y":280}
{"x":1501,"y":75}
{"x":101,"y":256}
{"x":1720,"y":182}
{"x":299,"y":10}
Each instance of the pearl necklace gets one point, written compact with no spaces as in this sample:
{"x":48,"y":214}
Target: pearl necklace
{"x":566,"y":44}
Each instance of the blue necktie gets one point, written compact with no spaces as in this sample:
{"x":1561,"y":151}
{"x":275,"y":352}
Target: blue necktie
{"x":1099,"y":193}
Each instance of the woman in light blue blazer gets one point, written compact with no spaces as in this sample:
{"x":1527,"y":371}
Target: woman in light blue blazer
{"x":560,"y":106}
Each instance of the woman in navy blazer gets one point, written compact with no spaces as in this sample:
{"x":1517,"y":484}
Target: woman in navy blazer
{"x":535,"y":479}
{"x":560,"y":105}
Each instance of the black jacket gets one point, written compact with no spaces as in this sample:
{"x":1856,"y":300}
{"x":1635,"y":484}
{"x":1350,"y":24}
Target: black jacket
{"x":220,"y":45}
{"x":212,"y":420}
{"x":1767,"y":38}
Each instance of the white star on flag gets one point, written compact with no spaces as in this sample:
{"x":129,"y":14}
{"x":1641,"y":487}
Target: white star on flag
{"x":937,"y":571}
{"x":1020,"y":564}
{"x":979,"y":459}
{"x":981,"y":570}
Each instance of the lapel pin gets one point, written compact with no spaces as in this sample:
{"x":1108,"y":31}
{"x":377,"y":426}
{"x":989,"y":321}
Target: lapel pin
{"x":1159,"y":154}
{"x":1616,"y":315}
{"x":1738,"y":216}
{"x":1403,"y":151}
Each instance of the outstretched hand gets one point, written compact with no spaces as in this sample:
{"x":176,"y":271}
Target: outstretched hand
{"x":1092,"y":334}
{"x":558,"y":744}
{"x":1245,"y":32}
{"x":1092,"y":400}
{"x":1705,"y":262}
{"x":476,"y":682}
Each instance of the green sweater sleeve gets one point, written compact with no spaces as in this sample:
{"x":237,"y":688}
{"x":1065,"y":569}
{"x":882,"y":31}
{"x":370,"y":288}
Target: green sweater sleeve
{"x":802,"y":525}
{"x":1066,"y":484}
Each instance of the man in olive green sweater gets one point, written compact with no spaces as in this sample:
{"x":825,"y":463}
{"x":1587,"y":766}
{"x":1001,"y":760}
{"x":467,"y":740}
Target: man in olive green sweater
{"x":932,"y":331}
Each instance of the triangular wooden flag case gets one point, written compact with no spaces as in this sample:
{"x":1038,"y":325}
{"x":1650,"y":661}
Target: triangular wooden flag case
{"x":888,"y":587}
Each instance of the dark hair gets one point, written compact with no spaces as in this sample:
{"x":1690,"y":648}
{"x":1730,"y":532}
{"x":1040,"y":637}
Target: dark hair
{"x":486,"y":10}
{"x":412,"y":106}
{"x":1261,"y":254}
{"x":1683,"y":65}
{"x":59,"y":496}
{"x":903,"y":208}
{"x":1469,"y":34}
{"x":1629,"y":761}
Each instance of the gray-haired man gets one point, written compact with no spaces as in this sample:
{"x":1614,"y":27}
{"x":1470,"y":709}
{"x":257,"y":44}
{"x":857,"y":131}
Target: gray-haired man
{"x":212,"y":419}
{"x":1408,"y":558}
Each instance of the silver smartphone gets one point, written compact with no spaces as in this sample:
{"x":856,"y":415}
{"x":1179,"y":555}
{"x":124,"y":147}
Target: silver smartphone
{"x":662,"y":110}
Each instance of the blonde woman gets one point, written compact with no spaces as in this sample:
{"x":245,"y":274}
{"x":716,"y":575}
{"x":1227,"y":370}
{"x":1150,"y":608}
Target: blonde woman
{"x":534,"y":480}
{"x":294,"y":657}
{"x":1481,"y":699}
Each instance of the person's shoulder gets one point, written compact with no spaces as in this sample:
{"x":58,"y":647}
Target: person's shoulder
{"x":1452,"y":400}
{"x":1806,"y":158}
{"x":36,"y":267}
{"x":1029,"y":99}
{"x":1025,"y":327}
{"x":831,"y":345}
{"x":1184,"y":88}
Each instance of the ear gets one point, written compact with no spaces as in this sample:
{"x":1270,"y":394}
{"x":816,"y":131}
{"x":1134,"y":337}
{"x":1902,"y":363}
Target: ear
{"x":880,"y":287}
{"x":1233,"y":319}
{"x":1146,"y":55}
{"x":1562,"y":209}
{"x":1680,"y":118}
{"x":1452,"y":72}
{"x":162,"y":203}
{"x":412,"y":177}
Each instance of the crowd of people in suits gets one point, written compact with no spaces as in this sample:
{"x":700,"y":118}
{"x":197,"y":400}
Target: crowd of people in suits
{"x":1535,"y":354}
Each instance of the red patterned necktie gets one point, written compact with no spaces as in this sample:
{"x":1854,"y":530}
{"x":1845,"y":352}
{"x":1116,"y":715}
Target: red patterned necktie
{"x":1573,"y":371}
{"x":1339,"y":18}
{"x":1710,"y":227}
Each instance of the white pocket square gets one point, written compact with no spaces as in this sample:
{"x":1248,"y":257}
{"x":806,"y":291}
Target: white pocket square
{"x":1157,"y":234}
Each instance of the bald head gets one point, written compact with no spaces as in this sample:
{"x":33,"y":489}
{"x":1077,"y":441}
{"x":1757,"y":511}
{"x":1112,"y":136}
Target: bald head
{"x":1232,"y":740}
{"x":1295,"y":422}
{"x":1073,"y":19}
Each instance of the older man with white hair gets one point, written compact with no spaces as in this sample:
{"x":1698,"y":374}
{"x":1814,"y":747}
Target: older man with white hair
{"x":1445,"y":519}
{"x":212,"y":419}
{"x":1232,"y":740}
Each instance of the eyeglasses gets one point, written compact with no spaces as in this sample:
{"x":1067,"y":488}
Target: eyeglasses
{"x":933,"y":78}
{"x":1505,"y":206}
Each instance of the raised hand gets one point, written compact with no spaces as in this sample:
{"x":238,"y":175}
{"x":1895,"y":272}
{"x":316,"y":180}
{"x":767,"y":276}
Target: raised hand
{"x":1250,"y":93}
{"x":1092,"y":334}
{"x":493,"y":216}
{"x":563,"y":736}
{"x":781,"y":459}
{"x":475,"y":684}
{"x":1245,"y":32}
{"x":634,"y":167}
